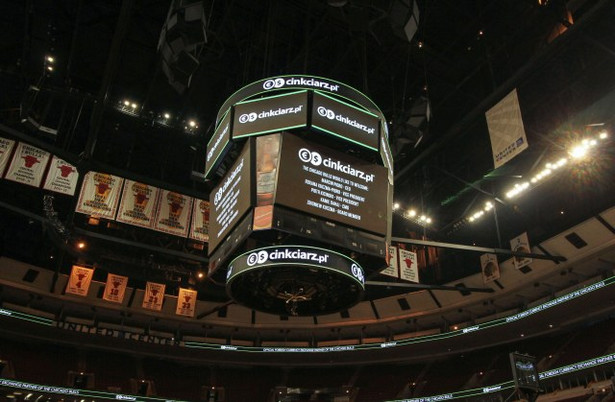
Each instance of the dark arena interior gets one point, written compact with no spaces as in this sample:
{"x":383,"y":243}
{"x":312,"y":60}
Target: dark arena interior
{"x":307,"y":200}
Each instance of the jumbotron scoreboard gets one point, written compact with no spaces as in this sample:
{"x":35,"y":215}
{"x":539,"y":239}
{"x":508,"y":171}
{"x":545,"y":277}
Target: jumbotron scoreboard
{"x":301,"y":209}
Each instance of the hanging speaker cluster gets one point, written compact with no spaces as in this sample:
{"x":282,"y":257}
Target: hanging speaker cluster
{"x":181,"y":41}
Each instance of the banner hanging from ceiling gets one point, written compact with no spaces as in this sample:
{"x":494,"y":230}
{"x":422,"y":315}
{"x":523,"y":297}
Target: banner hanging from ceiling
{"x":154,"y":296}
{"x":138,"y":204}
{"x":186,"y":302}
{"x":115,"y":288}
{"x":408,"y":266}
{"x":173,"y":213}
{"x":522,"y":245}
{"x":6,"y":147}
{"x":99,"y":195}
{"x":28,"y":165}
{"x":79,"y":280}
{"x":62,"y":177}
{"x":506,"y":129}
{"x":199,"y":226}
{"x":489,"y":267}
{"x":393,"y":268}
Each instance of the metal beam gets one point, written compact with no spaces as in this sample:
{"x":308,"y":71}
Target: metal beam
{"x":428,"y":287}
{"x":465,"y":247}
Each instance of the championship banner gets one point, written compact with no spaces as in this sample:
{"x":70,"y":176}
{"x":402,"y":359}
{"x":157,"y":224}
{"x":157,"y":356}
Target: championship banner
{"x":154,"y":296}
{"x":138,"y":204}
{"x":393,"y":268}
{"x":79,"y":280}
{"x":62,"y":177}
{"x":522,"y":245}
{"x":489,"y":267}
{"x":115,"y":288}
{"x":408,"y":266}
{"x":99,"y":195}
{"x":173,"y":213}
{"x":6,"y":147}
{"x":506,"y":130}
{"x":186,"y":302}
{"x":199,"y":227}
{"x":28,"y":165}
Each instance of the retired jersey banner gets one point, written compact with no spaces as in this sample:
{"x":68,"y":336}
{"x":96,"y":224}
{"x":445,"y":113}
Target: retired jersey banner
{"x":115,"y":288}
{"x":522,"y":245}
{"x":138,"y":204}
{"x":99,"y":195}
{"x":393,"y":268}
{"x":154,"y":296}
{"x":6,"y":147}
{"x":199,"y":228}
{"x":186,"y":302}
{"x":79,"y":280}
{"x":62,"y":177}
{"x":408,"y":266}
{"x":173,"y":213}
{"x":506,"y":130}
{"x":489,"y":267}
{"x":28,"y":165}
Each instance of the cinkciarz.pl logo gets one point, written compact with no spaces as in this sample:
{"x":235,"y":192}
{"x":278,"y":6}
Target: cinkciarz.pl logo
{"x":313,"y":157}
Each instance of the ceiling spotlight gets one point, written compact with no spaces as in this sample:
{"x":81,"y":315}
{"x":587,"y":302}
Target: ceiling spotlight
{"x":126,"y":103}
{"x":167,"y":116}
{"x":81,"y":245}
{"x":50,"y":59}
{"x":420,"y":44}
{"x":200,"y":275}
{"x":49,"y":68}
{"x":396,"y":206}
{"x":603,"y":135}
{"x":428,"y":220}
{"x":134,"y":105}
{"x":579,"y":151}
{"x":412,"y":213}
{"x":192,"y":124}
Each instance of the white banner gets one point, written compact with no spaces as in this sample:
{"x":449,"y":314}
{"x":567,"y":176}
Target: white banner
{"x":199,"y":228}
{"x":99,"y":195}
{"x":28,"y":165}
{"x":173,"y":213}
{"x":490,"y":267}
{"x":138,"y":205}
{"x":393,"y":268}
{"x":62,"y":177}
{"x":115,"y":288}
{"x":6,"y":147}
{"x":79,"y":280}
{"x":154,"y":296}
{"x":506,"y":130}
{"x":522,"y":245}
{"x":186,"y":302}
{"x":408,"y":266}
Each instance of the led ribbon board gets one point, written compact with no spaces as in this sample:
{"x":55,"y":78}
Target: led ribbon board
{"x":272,"y":114}
{"x":301,"y":280}
{"x":332,"y":185}
{"x":343,"y":120}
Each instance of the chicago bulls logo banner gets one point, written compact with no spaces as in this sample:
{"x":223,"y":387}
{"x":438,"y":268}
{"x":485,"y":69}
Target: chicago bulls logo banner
{"x":62,"y":177}
{"x":138,"y":204}
{"x":408,"y":266}
{"x":186,"y":302}
{"x":79,"y":280}
{"x":28,"y":165}
{"x":115,"y":288}
{"x":173,"y":214}
{"x":99,"y":195}
{"x":154,"y":296}
{"x":6,"y":147}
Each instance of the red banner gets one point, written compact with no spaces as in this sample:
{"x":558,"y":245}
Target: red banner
{"x":186,"y":302}
{"x":408,"y":266}
{"x":28,"y":165}
{"x":154,"y":296}
{"x":79,"y":280}
{"x":62,"y":177}
{"x":115,"y":288}
{"x":99,"y":195}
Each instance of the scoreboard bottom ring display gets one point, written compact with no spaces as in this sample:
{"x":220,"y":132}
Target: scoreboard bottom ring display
{"x":295,"y":280}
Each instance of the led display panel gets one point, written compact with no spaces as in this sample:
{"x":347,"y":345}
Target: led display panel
{"x":218,"y":144}
{"x":345,"y":121}
{"x":230,"y":200}
{"x":272,"y":114}
{"x":332,"y":185}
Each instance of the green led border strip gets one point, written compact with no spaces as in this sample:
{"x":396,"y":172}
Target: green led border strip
{"x":410,"y":341}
